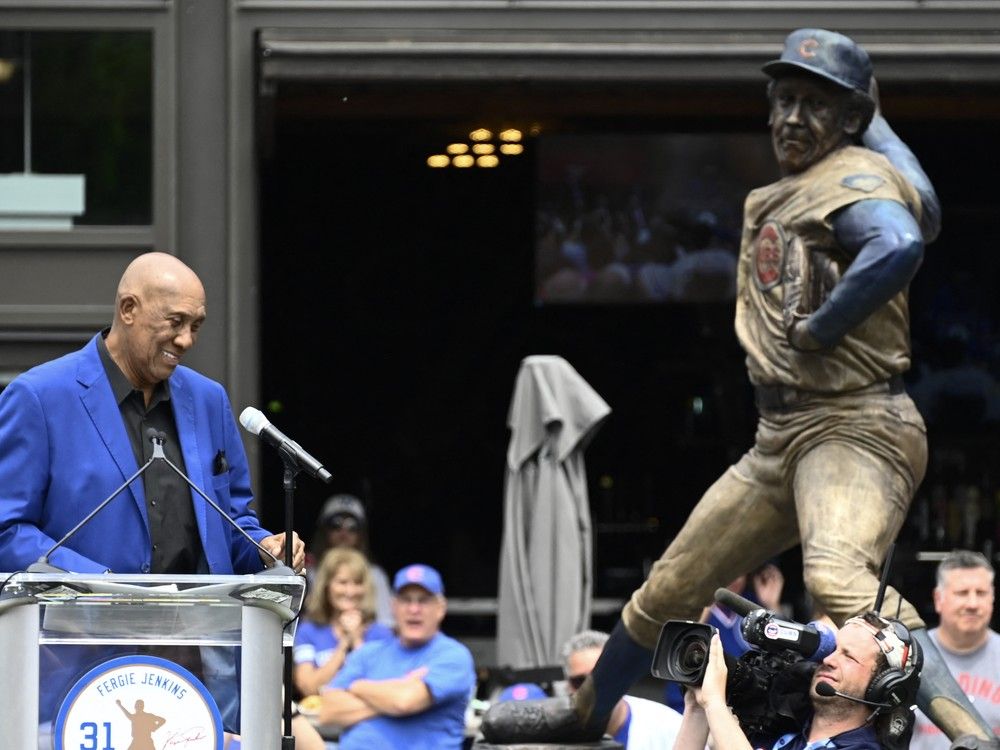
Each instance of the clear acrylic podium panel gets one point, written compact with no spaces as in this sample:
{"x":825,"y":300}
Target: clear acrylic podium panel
{"x":115,"y":614}
{"x":161,"y":609}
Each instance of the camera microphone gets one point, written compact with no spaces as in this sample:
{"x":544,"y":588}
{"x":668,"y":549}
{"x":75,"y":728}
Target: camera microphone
{"x":735,"y":602}
{"x":828,"y":691}
{"x":772,"y":632}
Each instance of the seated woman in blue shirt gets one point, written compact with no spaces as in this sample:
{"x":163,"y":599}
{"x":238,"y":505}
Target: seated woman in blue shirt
{"x":339,"y":617}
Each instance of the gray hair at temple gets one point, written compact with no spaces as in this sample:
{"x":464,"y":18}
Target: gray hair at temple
{"x":582,"y":641}
{"x":962,"y":559}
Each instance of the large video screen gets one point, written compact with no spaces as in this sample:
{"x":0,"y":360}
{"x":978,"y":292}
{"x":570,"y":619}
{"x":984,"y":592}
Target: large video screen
{"x":643,"y":218}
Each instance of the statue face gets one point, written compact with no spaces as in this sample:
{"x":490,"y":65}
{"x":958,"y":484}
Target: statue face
{"x":809,"y":119}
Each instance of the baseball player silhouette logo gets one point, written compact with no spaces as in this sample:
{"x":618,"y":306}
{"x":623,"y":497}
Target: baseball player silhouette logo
{"x":143,"y":726}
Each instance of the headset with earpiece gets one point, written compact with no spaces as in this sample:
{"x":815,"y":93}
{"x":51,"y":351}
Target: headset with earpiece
{"x":897,"y":684}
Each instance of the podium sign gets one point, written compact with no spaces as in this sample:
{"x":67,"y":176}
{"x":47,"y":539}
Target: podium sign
{"x":119,"y":612}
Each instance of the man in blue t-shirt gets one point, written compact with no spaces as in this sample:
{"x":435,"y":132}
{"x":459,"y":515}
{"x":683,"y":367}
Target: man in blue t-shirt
{"x":412,"y":690}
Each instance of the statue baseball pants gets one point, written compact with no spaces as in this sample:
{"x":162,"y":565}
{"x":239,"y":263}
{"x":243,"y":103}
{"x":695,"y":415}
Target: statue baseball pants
{"x":834,"y":473}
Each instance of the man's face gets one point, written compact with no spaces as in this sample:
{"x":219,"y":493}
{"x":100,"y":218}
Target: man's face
{"x":162,"y":327}
{"x":809,"y":119}
{"x":965,"y":603}
{"x":418,"y":614}
{"x":850,"y":668}
{"x":579,"y":664}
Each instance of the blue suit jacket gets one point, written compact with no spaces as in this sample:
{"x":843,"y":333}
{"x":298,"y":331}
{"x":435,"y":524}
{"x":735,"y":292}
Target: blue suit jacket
{"x":63,"y":449}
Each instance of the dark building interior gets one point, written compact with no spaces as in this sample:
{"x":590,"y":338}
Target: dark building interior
{"x":399,"y":300}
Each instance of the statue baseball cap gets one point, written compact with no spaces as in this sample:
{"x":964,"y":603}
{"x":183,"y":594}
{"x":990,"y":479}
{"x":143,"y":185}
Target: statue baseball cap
{"x":826,"y":54}
{"x":423,"y":576}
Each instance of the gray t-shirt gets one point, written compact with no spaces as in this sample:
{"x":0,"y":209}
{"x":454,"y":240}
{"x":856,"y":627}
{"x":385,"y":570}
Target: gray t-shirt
{"x":978,"y":674}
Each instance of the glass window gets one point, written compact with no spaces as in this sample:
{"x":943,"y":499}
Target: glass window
{"x":79,"y":104}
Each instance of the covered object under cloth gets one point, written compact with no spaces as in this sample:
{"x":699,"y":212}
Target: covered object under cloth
{"x":546,"y":557}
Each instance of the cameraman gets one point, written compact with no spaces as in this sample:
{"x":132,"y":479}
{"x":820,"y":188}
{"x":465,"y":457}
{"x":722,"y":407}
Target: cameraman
{"x":869,"y":654}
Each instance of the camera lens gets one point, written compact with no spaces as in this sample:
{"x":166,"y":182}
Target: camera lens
{"x":691,"y":654}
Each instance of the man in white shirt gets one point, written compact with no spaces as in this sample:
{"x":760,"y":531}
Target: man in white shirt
{"x":637,"y":723}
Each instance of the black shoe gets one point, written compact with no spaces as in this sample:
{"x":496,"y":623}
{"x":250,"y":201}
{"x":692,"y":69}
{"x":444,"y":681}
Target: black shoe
{"x":972,"y":742}
{"x":549,"y":720}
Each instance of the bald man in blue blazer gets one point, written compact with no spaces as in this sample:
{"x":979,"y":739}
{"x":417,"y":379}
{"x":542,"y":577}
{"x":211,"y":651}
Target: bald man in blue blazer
{"x":67,"y":441}
{"x":74,"y":429}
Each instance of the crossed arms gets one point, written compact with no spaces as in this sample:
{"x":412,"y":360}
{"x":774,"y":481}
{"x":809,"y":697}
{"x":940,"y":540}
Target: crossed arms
{"x":365,"y":699}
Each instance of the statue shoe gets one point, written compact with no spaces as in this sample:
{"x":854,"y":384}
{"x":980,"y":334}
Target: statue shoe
{"x":549,"y":720}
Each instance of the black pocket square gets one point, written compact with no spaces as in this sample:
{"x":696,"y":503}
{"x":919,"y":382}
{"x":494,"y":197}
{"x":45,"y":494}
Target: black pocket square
{"x":220,"y":465}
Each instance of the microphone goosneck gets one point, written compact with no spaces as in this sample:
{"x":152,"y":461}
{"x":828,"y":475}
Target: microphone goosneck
{"x":293,"y":454}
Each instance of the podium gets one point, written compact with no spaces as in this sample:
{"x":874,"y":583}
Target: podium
{"x":254,"y":612}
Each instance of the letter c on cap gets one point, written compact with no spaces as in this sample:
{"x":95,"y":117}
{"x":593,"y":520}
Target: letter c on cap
{"x":808,"y":47}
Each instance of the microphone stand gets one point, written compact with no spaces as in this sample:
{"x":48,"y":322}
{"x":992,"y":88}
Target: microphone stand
{"x":278,"y":568}
{"x":291,"y":463}
{"x":43,"y":565}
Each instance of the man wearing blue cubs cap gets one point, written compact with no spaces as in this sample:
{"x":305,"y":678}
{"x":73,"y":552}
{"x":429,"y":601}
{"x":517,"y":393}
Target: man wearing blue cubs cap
{"x":409,"y":691}
{"x":827,"y":255}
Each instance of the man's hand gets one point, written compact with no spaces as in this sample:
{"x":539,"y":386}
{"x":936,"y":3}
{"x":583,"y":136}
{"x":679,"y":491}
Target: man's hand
{"x":397,"y":696}
{"x":795,"y":308}
{"x":713,"y":686}
{"x":417,"y":674}
{"x":722,"y":724}
{"x":768,"y":583}
{"x":275,"y":544}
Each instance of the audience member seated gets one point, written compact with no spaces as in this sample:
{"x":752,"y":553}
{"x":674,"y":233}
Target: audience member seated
{"x":410,"y":691}
{"x":637,"y":723}
{"x":343,"y":523}
{"x":340,"y":616}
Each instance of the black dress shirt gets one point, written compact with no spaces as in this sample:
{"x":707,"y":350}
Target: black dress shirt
{"x":172,"y":525}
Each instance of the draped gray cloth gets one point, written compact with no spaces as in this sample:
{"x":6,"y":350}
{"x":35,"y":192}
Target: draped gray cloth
{"x":546,"y":556}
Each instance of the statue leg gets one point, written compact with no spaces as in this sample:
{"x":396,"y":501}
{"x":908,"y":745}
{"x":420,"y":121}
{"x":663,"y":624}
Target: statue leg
{"x":850,"y":505}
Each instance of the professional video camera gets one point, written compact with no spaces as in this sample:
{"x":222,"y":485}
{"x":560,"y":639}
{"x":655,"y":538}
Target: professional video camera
{"x":767,"y":687}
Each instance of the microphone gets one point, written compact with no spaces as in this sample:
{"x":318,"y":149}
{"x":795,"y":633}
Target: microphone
{"x":828,"y":691}
{"x":771,"y":632}
{"x":735,"y":602}
{"x":254,"y":421}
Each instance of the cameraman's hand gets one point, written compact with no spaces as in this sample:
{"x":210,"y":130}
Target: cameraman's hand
{"x":692,"y":699}
{"x":713,"y":686}
{"x":693,"y":732}
{"x":722,"y":724}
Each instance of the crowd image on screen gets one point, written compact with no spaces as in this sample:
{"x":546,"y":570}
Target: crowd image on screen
{"x":642,"y":218}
